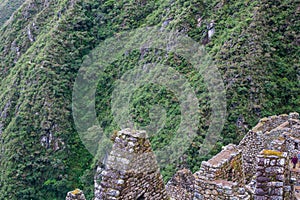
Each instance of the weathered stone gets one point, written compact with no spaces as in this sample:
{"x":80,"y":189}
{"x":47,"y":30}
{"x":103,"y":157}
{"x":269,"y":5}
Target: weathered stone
{"x":75,"y":195}
{"x":223,"y":177}
{"x":131,"y":170}
{"x":262,"y":179}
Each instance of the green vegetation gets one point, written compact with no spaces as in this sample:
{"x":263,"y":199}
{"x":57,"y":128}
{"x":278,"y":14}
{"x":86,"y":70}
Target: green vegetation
{"x":255,"y":47}
{"x":7,"y":8}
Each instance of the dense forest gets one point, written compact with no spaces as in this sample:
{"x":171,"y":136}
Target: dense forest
{"x":255,"y":47}
{"x":7,"y":7}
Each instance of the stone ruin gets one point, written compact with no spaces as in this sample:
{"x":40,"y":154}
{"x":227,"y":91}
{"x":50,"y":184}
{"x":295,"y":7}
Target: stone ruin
{"x":263,"y":136}
{"x":258,"y":168}
{"x":273,"y":176}
{"x":131,"y":170}
{"x":182,"y":185}
{"x":222,"y":176}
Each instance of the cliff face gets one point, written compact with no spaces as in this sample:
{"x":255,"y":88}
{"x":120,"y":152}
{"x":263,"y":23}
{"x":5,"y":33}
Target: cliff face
{"x":255,"y":45}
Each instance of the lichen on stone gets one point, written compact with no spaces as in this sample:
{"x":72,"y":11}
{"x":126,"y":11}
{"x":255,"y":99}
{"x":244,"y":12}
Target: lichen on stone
{"x":76,"y":191}
{"x":272,"y":153}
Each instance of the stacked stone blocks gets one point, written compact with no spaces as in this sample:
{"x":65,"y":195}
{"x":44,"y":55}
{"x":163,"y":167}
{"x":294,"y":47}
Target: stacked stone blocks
{"x":272,"y":176}
{"x":237,"y":172}
{"x":221,"y":177}
{"x":131,"y":170}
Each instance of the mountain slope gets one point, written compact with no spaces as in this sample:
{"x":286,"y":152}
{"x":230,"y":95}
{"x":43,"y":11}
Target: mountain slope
{"x":38,"y":147}
{"x":255,"y":47}
{"x":41,"y":156}
{"x":7,"y":7}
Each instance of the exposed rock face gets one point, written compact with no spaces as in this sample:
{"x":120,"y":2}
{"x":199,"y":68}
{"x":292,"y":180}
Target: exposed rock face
{"x":131,"y":170}
{"x":75,"y":195}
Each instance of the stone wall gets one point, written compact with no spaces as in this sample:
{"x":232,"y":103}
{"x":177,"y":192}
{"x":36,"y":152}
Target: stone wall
{"x":131,"y":171}
{"x":292,"y":137}
{"x":219,"y":189}
{"x":182,"y":185}
{"x":269,"y":137}
{"x":295,"y":175}
{"x":227,"y":165}
{"x":221,"y":177}
{"x":272,"y":176}
{"x":251,"y":145}
{"x":279,"y":144}
{"x":237,"y":172}
{"x":262,"y":137}
{"x":268,"y":123}
{"x":292,"y":144}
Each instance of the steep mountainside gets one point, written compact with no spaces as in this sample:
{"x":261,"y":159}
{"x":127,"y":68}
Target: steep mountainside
{"x":255,"y":47}
{"x":7,"y":7}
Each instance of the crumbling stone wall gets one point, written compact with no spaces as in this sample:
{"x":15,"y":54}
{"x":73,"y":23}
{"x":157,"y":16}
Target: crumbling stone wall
{"x":295,"y":176}
{"x":268,"y":123}
{"x":272,"y":176}
{"x":292,"y":144}
{"x":221,"y":177}
{"x":292,"y":136}
{"x":261,"y":137}
{"x":274,"y":134}
{"x":227,"y":165}
{"x":181,"y":186}
{"x":219,"y":189}
{"x":289,"y":136}
{"x":131,"y":170}
{"x":237,"y":172}
{"x":251,"y":145}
